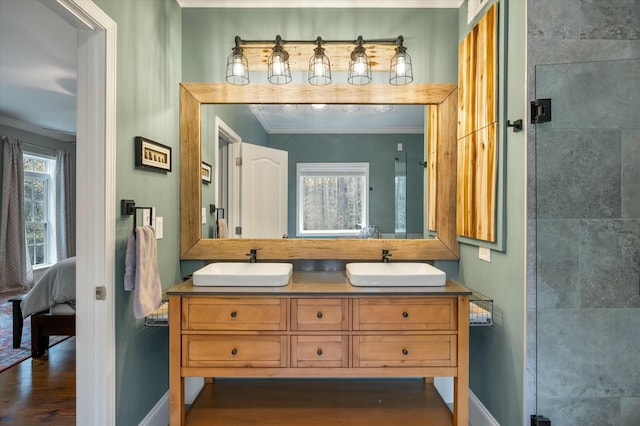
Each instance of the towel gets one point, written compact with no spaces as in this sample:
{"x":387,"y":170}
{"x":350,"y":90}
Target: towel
{"x":141,"y":271}
{"x":223,"y":232}
{"x":478,"y":315}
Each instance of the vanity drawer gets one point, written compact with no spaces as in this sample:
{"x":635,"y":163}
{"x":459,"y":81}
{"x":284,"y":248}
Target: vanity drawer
{"x":404,"y":351}
{"x":319,"y":351}
{"x":320,"y":314}
{"x":234,"y":351}
{"x":405,"y":314}
{"x":221,"y":313}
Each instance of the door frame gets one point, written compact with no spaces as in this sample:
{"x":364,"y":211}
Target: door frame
{"x":222,"y":129}
{"x":96,"y":208}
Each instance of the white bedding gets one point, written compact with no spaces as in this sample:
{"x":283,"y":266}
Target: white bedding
{"x":57,"y":285}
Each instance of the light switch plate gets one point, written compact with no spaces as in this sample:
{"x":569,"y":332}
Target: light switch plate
{"x":159,"y":228}
{"x":204,"y":215}
{"x":484,"y":253}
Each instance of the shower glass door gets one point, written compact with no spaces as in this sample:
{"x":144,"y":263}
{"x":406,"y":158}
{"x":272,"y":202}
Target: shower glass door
{"x":587,"y":177}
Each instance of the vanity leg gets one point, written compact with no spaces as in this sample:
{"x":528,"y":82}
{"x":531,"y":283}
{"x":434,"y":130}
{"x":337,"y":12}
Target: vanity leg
{"x":461,"y":381}
{"x":176,"y":381}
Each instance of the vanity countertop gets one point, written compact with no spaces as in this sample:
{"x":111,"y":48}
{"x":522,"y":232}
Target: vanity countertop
{"x":318,"y":283}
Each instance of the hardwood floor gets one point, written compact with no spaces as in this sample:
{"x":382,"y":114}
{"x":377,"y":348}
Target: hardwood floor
{"x":41,"y":390}
{"x":319,"y":403}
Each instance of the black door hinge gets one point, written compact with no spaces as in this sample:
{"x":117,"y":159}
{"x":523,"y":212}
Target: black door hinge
{"x":537,"y":420}
{"x":540,"y":111}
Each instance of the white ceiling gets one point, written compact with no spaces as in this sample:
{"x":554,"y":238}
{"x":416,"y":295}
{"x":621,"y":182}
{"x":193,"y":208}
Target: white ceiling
{"x":38,"y":70}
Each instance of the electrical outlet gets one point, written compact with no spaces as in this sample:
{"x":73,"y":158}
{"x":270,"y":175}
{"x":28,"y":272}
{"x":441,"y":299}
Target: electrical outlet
{"x":484,"y":253}
{"x":159,"y":228}
{"x":399,"y":147}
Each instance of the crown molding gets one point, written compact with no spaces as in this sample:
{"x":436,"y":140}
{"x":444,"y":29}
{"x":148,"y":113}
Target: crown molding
{"x":392,"y":4}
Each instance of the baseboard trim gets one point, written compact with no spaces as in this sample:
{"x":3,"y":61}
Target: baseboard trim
{"x":159,"y":414}
{"x":478,"y":413}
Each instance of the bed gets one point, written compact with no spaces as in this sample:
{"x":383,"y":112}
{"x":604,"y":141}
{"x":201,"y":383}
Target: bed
{"x":51,"y":305}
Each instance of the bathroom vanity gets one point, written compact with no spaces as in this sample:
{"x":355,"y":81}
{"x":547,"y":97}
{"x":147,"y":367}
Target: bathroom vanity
{"x":319,"y":326}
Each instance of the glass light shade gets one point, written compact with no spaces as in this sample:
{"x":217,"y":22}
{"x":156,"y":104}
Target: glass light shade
{"x":279,"y":71}
{"x":319,"y":68}
{"x":319,"y":107}
{"x":237,"y":69}
{"x":359,"y":69}
{"x":383,"y":108}
{"x":401,"y":70}
{"x":350,"y":108}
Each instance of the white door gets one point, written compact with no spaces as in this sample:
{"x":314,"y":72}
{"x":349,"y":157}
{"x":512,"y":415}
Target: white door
{"x":263,"y":192}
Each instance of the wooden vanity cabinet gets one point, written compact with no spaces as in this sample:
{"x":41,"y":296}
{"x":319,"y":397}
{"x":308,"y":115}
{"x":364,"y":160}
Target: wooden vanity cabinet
{"x":318,"y":336}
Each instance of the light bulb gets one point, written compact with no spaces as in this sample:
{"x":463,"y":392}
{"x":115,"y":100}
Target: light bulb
{"x":277,"y":66}
{"x":238,"y":69}
{"x":401,"y":67}
{"x":360,"y":67}
{"x":318,"y":68}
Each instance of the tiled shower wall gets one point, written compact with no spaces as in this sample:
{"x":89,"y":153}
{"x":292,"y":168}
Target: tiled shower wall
{"x":583,"y":228}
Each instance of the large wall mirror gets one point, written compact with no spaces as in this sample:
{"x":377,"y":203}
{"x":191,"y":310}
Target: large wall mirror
{"x":442,"y":99}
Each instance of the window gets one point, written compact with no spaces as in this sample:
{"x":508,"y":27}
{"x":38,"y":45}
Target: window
{"x":333,"y":198}
{"x":39,"y":193}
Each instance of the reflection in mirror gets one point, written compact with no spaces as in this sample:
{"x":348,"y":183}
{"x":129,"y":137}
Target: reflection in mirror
{"x":440,"y":97}
{"x":391,"y":142}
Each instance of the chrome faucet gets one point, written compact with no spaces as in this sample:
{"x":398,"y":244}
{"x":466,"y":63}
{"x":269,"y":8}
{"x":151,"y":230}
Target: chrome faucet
{"x":385,"y":256}
{"x":253,"y":255}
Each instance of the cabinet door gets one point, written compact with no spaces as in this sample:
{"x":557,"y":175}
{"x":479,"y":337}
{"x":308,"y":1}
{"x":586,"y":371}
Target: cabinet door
{"x":319,"y":314}
{"x":221,"y":313}
{"x":234,"y":351}
{"x":438,"y":313}
{"x":319,"y":351}
{"x":405,"y":351}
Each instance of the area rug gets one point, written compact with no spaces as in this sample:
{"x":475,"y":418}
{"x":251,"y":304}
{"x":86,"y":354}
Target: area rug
{"x":8,"y":355}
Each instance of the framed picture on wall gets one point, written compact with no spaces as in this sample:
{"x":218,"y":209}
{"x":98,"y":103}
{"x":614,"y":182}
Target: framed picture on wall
{"x":206,"y":173}
{"x":152,"y":155}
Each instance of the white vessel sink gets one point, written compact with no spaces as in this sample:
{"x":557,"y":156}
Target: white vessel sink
{"x":395,"y":274}
{"x":236,"y":274}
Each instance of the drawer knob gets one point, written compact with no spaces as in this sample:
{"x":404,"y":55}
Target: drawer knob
{"x":234,"y":314}
{"x":319,"y":352}
{"x":234,"y":351}
{"x":405,"y":314}
{"x":319,"y":315}
{"x":405,"y":352}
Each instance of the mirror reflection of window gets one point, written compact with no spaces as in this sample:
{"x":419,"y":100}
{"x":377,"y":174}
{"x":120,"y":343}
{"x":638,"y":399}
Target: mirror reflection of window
{"x":332,"y":199}
{"x":400,"y":184}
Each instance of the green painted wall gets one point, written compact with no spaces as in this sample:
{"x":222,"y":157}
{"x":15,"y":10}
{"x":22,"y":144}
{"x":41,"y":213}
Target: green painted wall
{"x":497,"y":353}
{"x":148,"y":73}
{"x":380,"y":152}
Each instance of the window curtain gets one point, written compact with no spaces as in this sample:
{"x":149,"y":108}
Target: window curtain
{"x":65,"y":205}
{"x":15,"y":266}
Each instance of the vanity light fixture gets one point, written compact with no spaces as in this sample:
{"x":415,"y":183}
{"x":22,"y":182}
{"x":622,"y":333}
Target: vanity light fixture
{"x":350,"y":108}
{"x":401,"y":71}
{"x":359,"y":65}
{"x":278,"y":63}
{"x":237,"y":66}
{"x":319,"y":66}
{"x":288,"y":107}
{"x":319,"y":107}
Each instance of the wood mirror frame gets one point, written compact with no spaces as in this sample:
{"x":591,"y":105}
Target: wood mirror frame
{"x":192,"y":246}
